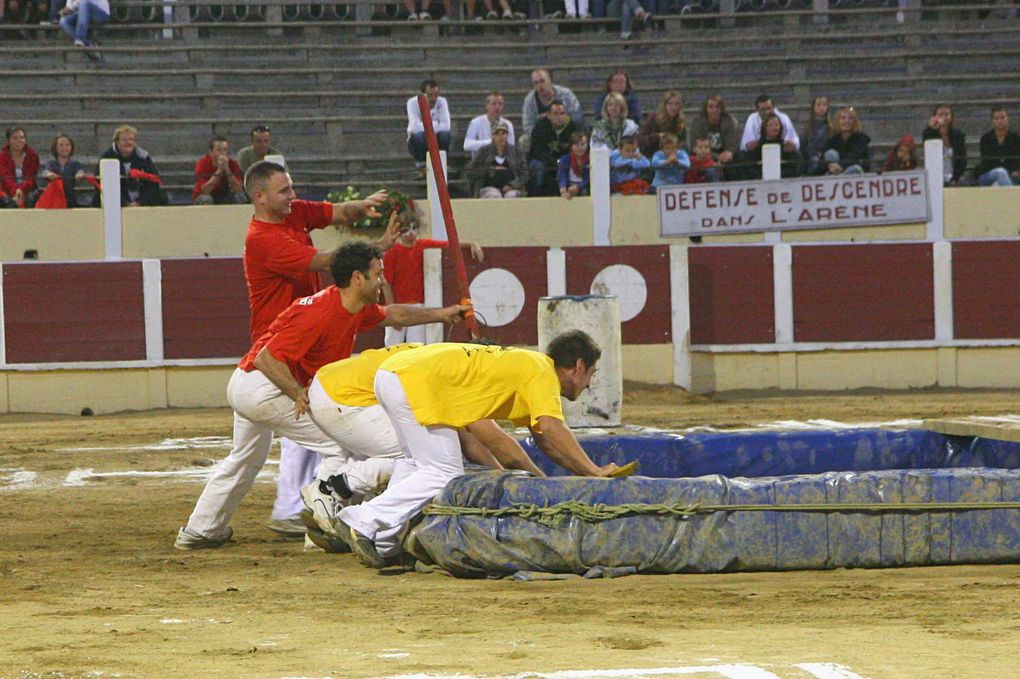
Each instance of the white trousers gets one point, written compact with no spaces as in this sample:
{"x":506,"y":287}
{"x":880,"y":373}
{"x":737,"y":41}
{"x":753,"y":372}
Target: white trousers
{"x":260,"y":410}
{"x":298,"y":466}
{"x":432,"y":457}
{"x":366,"y":436}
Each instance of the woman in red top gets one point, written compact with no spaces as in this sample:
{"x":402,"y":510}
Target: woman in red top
{"x":19,"y":167}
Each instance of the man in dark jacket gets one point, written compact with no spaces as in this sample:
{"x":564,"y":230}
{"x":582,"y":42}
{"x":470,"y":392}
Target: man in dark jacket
{"x":144,"y":187}
{"x":1000,"y":153}
{"x":549,"y":142}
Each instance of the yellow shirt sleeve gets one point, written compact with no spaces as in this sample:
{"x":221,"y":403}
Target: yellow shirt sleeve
{"x":351,"y":382}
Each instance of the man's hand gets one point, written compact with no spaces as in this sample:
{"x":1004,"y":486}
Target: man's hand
{"x":606,"y":470}
{"x":389,"y":238}
{"x":301,"y":404}
{"x":368,"y":205}
{"x":834,"y":168}
{"x":752,"y":145}
{"x":725,"y":157}
{"x":789,"y":146}
{"x":455,"y":313}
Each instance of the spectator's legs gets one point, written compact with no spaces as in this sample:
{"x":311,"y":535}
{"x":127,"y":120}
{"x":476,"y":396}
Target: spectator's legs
{"x":444,"y":142}
{"x":469,"y":9}
{"x":712,"y":174}
{"x":416,"y":147}
{"x":536,"y":172}
{"x":853,"y":169}
{"x":88,"y":13}
{"x":997,"y":177}
{"x":489,"y":192}
{"x":830,"y":156}
{"x":55,"y":7}
{"x":570,"y":6}
{"x":67,"y":24}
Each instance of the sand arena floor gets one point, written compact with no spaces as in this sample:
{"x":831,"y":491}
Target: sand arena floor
{"x":90,"y":585}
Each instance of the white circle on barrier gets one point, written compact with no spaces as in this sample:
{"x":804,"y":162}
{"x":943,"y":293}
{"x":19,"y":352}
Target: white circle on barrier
{"x":497,"y":296}
{"x":627,"y":284}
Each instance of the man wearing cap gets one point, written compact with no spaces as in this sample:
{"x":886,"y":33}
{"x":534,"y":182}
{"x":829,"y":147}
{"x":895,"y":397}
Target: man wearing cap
{"x":499,"y":170}
{"x":479,"y":132}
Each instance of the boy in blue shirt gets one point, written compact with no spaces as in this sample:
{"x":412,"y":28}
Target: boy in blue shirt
{"x":671,"y":163}
{"x":625,"y":165}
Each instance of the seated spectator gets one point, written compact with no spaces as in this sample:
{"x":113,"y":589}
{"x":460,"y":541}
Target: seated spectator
{"x":1000,"y":153}
{"x":261,"y":146}
{"x":619,"y":82}
{"x":670,"y":163}
{"x":614,"y":124}
{"x":420,"y":13}
{"x":479,"y":132}
{"x":717,"y":125}
{"x":903,"y":157}
{"x":703,"y":166}
{"x":499,"y":170}
{"x":550,"y":141}
{"x":537,"y":103}
{"x":753,"y":127}
{"x":218,"y":178}
{"x":954,"y":143}
{"x":139,"y":178}
{"x":64,"y":167}
{"x":79,"y":16}
{"x":668,"y":118}
{"x":625,"y":166}
{"x":416,"y":145}
{"x":772,"y":132}
{"x":19,"y":167}
{"x":574,"y":169}
{"x":847,"y":151}
{"x":628,"y":11}
{"x":578,"y":9}
{"x":816,"y":134}
{"x":52,"y":13}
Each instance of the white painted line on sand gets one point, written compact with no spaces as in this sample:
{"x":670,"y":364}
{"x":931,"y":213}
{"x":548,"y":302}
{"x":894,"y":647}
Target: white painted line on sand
{"x":824,"y":670}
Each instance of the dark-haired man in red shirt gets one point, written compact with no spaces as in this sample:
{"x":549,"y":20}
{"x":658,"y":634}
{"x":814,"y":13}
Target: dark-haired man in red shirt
{"x":269,"y":389}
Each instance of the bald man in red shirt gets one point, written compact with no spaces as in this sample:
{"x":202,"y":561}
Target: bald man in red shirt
{"x":269,"y":389}
{"x":281,"y":265}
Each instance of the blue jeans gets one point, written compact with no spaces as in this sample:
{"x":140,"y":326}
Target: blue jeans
{"x":76,"y":24}
{"x":627,"y":13}
{"x":997,"y":177}
{"x":417,"y":147}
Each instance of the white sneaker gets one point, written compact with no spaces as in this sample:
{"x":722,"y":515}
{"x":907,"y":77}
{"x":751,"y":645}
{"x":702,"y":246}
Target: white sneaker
{"x":290,"y":527}
{"x":188,"y":539}
{"x":424,"y":16}
{"x":322,"y":505}
{"x":79,"y":43}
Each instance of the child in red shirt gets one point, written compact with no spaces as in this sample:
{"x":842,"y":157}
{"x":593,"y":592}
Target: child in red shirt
{"x":703,"y":167}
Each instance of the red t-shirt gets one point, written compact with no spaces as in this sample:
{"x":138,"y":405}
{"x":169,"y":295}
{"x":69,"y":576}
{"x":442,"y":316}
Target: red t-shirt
{"x":205,"y":168}
{"x":312,"y":332}
{"x":276,"y":259}
{"x":405,"y":270}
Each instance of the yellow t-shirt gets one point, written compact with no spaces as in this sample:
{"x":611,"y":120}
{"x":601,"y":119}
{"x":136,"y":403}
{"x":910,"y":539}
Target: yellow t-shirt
{"x":457,"y":384}
{"x":351,"y":381}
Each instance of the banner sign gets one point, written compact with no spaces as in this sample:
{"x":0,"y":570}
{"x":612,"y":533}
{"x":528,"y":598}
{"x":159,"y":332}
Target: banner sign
{"x":799,"y":203}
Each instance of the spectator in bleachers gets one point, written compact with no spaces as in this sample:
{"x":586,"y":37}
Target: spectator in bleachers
{"x":753,"y":127}
{"x":848,"y":150}
{"x":419,"y":13}
{"x":1000,"y":152}
{"x":903,"y":157}
{"x":537,"y":103}
{"x":619,"y":82}
{"x":717,"y":125}
{"x":63,"y":166}
{"x":628,"y":11}
{"x":703,"y":166}
{"x":79,"y":16}
{"x":52,"y":13}
{"x":817,"y":131}
{"x":19,"y":167}
{"x":550,"y":141}
{"x":574,"y":169}
{"x":954,"y":143}
{"x":772,"y":132}
{"x":218,"y":177}
{"x":668,"y":118}
{"x":479,"y":132}
{"x":670,"y":162}
{"x":577,"y":9}
{"x":625,"y":168}
{"x":139,"y":178}
{"x":261,"y":146}
{"x":614,"y":124}
{"x":416,"y":145}
{"x":499,"y":170}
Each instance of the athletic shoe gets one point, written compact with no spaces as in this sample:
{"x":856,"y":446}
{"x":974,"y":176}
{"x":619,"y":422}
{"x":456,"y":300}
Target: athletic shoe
{"x":362,"y":547}
{"x":492,"y":15}
{"x":520,"y":15}
{"x":424,"y":16}
{"x":290,"y":527}
{"x":321,"y":503}
{"x":188,"y":539}
{"x":79,"y":43}
{"x":412,"y":17}
{"x":325,"y":541}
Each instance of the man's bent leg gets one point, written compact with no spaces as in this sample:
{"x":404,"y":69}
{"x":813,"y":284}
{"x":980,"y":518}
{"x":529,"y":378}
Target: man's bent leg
{"x":298,"y":467}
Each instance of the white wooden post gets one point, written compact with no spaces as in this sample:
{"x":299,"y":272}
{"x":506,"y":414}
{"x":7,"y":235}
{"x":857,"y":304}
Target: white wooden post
{"x":680,"y":303}
{"x":771,"y":169}
{"x":109,"y":177}
{"x":601,"y":203}
{"x":933,"y":169}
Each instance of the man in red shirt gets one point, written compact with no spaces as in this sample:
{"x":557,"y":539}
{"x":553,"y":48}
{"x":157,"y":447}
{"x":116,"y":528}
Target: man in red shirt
{"x":217,"y":176}
{"x":405,"y":277}
{"x":281,"y":265}
{"x":269,"y":389}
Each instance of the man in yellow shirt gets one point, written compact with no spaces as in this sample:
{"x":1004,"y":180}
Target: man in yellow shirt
{"x":430,"y":392}
{"x":342,"y":403}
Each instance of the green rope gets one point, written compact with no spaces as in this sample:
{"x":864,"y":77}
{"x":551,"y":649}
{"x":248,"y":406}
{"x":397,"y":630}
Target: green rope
{"x":555,"y":514}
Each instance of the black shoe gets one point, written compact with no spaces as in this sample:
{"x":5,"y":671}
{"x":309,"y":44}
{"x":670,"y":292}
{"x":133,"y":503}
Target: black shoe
{"x":337,"y":484}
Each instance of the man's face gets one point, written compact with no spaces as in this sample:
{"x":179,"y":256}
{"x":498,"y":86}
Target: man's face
{"x":1000,"y":121}
{"x":577,"y":381}
{"x":261,"y":141}
{"x":126,"y":144}
{"x":494,"y":107}
{"x":219,"y":150}
{"x":540,"y":81}
{"x":276,"y":195}
{"x":558,"y":117}
{"x":371,"y":283}
{"x":432,"y":94}
{"x":765,"y":108}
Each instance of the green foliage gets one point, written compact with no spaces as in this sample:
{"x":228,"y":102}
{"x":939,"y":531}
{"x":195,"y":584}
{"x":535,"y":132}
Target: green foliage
{"x":403,"y":204}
